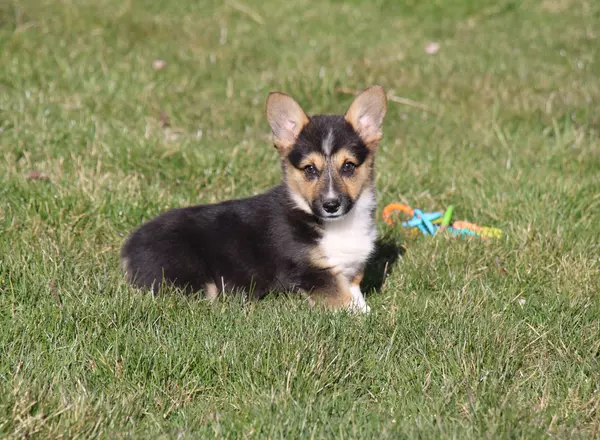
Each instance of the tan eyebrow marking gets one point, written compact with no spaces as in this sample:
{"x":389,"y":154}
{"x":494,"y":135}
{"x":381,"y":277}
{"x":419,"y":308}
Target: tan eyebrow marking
{"x":342,"y":156}
{"x":315,"y":159}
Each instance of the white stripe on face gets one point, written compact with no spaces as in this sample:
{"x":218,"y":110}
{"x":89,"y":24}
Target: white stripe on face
{"x":330,"y":193}
{"x":327,"y":145}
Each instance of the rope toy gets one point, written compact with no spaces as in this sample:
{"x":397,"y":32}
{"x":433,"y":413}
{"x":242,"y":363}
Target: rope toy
{"x":429,"y":223}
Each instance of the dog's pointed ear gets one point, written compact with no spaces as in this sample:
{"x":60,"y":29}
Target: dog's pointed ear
{"x":366,"y":114}
{"x":286,"y":118}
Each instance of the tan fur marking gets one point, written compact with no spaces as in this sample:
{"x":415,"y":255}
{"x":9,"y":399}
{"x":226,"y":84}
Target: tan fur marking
{"x":342,"y":156}
{"x":357,"y":279}
{"x":315,"y":159}
{"x":355,"y":184}
{"x":336,"y":296}
{"x":298,"y":182}
{"x":318,"y":260}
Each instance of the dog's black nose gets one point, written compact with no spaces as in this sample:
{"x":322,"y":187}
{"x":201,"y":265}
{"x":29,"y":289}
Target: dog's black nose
{"x":331,"y":205}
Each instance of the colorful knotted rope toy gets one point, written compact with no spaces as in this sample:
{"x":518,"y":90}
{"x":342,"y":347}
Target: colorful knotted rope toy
{"x":429,"y":223}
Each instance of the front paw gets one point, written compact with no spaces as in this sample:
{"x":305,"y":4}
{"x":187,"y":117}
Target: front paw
{"x":359,"y":307}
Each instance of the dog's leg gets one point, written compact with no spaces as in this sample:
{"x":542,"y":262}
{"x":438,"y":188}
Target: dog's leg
{"x":333,"y":294}
{"x":340,"y":294}
{"x":358,"y":303}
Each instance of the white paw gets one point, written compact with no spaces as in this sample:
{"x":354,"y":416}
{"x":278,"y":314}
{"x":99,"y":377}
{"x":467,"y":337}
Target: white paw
{"x":359,"y":306}
{"x":358,"y":303}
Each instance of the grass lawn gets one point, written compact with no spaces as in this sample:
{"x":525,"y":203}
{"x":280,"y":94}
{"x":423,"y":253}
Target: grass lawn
{"x":467,"y":339}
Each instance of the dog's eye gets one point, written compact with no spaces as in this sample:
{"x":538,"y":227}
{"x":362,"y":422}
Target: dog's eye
{"x":348,"y":168}
{"x":311,"y":171}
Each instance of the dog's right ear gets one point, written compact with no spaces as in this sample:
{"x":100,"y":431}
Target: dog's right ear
{"x":286,"y":118}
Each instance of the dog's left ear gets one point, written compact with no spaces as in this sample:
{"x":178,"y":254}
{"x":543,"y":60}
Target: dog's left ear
{"x":286,"y":118}
{"x":366,"y":114}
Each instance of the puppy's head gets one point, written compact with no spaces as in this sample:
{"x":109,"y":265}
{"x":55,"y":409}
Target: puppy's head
{"x":327,"y":160}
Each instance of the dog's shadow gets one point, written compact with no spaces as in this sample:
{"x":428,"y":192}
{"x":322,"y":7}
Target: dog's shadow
{"x":381,"y":264}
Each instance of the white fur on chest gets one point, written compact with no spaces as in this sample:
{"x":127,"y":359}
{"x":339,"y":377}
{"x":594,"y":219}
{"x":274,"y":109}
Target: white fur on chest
{"x":348,"y":242}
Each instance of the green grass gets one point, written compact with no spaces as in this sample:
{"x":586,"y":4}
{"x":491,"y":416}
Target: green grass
{"x":467,"y":339}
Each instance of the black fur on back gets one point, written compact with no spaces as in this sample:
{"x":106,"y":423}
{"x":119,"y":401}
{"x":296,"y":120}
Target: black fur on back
{"x":260,"y":243}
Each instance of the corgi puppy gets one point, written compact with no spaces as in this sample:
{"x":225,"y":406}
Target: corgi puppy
{"x":312,"y":234}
